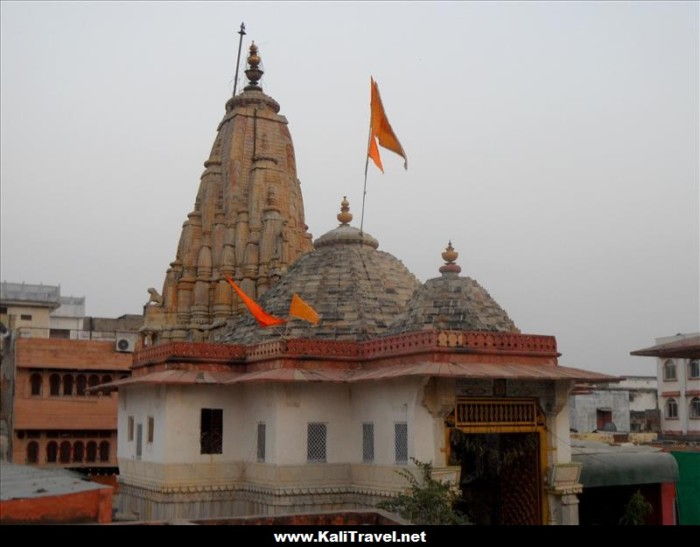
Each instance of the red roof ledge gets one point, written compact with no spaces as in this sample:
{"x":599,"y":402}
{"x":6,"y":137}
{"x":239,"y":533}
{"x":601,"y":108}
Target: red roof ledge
{"x":688,"y":348}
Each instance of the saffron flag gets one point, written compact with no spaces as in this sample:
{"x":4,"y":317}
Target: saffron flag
{"x":299,"y":308}
{"x":263,"y":318}
{"x":380,"y":130}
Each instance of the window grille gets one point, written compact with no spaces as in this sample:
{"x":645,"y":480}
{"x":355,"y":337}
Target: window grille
{"x":211,"y":431}
{"x":368,"y":442}
{"x":401,"y":442}
{"x":130,"y":429}
{"x":695,"y":408}
{"x":261,"y":442}
{"x":316,"y":442}
{"x":669,"y":371}
{"x":694,"y":368}
{"x":672,"y":409}
{"x":151,"y":428}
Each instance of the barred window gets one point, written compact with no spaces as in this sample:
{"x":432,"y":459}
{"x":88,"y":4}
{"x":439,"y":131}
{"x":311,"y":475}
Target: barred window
{"x":671,"y":408}
{"x":130,"y":429}
{"x":211,"y":431}
{"x":368,"y":442}
{"x":316,"y":442}
{"x":261,"y":442}
{"x":151,"y":428}
{"x":401,"y":442}
{"x":669,"y":371}
{"x":694,"y":368}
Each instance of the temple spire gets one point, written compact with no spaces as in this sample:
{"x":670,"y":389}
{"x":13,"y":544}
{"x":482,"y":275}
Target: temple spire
{"x":254,"y":72}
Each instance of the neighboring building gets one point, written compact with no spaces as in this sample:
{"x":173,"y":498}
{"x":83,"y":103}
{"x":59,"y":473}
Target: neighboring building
{"x":51,"y":496}
{"x":627,"y":406}
{"x":678,"y":373}
{"x":612,"y":474}
{"x":48,"y":416}
{"x":307,"y":418}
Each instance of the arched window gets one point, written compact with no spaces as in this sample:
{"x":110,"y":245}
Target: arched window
{"x":671,"y":408}
{"x":33,"y":452}
{"x":51,"y":452}
{"x":669,"y":371}
{"x":91,"y":451}
{"x":106,"y":379}
{"x":93,"y":380}
{"x":55,"y":384}
{"x":695,"y":407}
{"x":68,"y":384}
{"x":78,"y":450}
{"x":64,"y":453}
{"x":104,"y":451}
{"x":694,"y":368}
{"x":35,"y":380}
{"x":80,"y":384}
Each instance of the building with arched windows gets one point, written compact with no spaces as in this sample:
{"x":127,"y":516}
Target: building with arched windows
{"x":678,"y":372}
{"x":51,"y":355}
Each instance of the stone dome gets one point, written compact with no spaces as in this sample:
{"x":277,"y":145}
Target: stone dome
{"x":356,"y":289}
{"x":451,"y":302}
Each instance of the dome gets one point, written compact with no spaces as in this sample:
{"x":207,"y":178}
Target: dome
{"x":356,"y":289}
{"x":451,"y":302}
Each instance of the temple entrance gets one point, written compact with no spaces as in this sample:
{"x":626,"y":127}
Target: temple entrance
{"x":499,"y":445}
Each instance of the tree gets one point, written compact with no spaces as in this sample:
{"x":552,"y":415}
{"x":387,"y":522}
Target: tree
{"x":636,"y":511}
{"x":428,"y":501}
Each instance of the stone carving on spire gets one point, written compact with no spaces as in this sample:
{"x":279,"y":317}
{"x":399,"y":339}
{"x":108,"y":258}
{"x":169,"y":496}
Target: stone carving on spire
{"x":247,"y":222}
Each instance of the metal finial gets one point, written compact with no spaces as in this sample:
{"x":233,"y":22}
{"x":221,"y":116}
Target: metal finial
{"x":345,"y":216}
{"x":449,"y":255}
{"x":254,"y":73}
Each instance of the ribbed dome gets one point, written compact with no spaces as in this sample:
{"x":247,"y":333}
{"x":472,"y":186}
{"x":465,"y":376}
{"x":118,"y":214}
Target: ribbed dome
{"x":451,"y":302}
{"x":356,"y":289}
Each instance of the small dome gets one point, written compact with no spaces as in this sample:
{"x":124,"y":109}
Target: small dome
{"x":356,"y":290}
{"x":451,"y":302}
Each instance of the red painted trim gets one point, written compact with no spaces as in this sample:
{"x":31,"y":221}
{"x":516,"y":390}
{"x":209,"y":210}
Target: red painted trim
{"x":671,"y":394}
{"x":667,"y":495}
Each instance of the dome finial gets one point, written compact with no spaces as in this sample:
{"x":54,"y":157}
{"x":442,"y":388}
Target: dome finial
{"x":345,"y":216}
{"x":254,"y":73}
{"x":449,"y":255}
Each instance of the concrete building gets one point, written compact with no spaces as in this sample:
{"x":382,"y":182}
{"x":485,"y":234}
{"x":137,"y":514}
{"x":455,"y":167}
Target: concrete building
{"x":628,"y":406}
{"x":49,"y":360}
{"x":224,"y":418}
{"x":678,"y":373}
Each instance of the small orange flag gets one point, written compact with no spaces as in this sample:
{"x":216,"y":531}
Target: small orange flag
{"x":380,"y":129}
{"x":264,"y":319}
{"x":299,"y":308}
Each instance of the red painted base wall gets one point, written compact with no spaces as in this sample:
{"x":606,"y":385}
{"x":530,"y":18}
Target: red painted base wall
{"x":90,"y":506}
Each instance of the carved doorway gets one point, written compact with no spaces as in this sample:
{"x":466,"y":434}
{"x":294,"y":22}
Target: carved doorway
{"x":499,"y":445}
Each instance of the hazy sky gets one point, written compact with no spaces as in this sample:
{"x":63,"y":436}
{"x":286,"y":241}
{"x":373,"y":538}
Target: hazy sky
{"x":556,"y":144}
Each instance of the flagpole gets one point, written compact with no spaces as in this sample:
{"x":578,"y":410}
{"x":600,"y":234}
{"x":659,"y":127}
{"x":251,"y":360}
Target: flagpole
{"x":364,"y":190}
{"x":238,"y":59}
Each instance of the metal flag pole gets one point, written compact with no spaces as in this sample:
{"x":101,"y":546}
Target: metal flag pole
{"x":364,"y":190}
{"x":238,"y":60}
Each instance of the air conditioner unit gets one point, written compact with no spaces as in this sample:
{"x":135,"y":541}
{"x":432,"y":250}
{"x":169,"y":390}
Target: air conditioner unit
{"x":125,"y":342}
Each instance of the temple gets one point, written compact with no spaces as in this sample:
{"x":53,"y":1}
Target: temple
{"x":222,"y":417}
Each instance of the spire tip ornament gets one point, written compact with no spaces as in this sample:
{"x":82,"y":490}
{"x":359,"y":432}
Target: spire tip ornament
{"x":449,"y":255}
{"x":345,"y":216}
{"x":254,"y":73}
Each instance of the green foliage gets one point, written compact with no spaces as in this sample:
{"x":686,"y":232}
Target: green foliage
{"x":636,"y":511}
{"x":428,"y":501}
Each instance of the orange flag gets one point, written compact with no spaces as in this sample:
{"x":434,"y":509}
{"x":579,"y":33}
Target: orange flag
{"x":299,"y":308}
{"x":380,"y":129}
{"x":264,"y":319}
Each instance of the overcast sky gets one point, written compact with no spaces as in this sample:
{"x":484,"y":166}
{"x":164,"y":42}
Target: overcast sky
{"x":556,"y":144}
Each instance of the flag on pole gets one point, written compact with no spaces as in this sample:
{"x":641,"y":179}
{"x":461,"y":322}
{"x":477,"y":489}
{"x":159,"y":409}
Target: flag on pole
{"x":380,"y":130}
{"x":263,"y":318}
{"x":302,"y":310}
